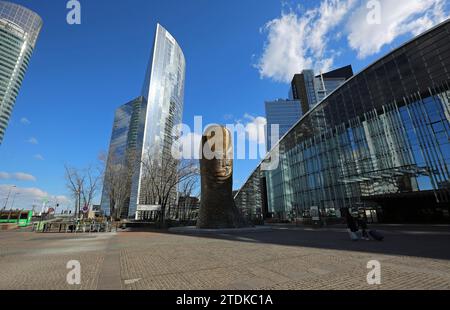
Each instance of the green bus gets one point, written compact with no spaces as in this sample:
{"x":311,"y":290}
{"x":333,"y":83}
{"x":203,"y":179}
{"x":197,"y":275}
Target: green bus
{"x":21,"y":218}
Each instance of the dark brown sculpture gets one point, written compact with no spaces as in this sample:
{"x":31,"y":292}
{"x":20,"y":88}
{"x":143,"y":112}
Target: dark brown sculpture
{"x":217,"y":209}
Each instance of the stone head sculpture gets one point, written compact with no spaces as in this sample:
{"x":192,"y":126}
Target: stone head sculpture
{"x":217,"y":209}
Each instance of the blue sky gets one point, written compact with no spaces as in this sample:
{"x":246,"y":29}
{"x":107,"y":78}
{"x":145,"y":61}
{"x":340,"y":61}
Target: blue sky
{"x":239,"y":53}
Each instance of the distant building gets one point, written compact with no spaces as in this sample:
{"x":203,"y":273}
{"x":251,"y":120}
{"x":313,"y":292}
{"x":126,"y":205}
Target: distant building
{"x":19,"y":31}
{"x":310,"y":89}
{"x":328,"y":82}
{"x":147,"y":213}
{"x":306,"y":91}
{"x":284,"y":113}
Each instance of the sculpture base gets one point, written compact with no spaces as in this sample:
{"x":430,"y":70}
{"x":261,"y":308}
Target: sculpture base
{"x":198,"y":231}
{"x":215,"y":216}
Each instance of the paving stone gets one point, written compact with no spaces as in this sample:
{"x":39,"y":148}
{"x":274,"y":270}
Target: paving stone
{"x":292,"y":259}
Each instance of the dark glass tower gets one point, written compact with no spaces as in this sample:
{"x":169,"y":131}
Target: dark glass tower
{"x":310,"y":89}
{"x":122,"y":155}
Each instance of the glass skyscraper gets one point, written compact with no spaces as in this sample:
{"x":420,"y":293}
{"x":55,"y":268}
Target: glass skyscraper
{"x":19,"y":31}
{"x":284,"y":113}
{"x":146,"y":125}
{"x":122,"y":154}
{"x":326,"y":83}
{"x":311,"y":89}
{"x":305,"y":92}
{"x":379,"y":143}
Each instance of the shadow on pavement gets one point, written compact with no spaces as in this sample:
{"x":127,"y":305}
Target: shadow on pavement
{"x":415,"y":241}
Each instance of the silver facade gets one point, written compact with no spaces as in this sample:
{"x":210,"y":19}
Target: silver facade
{"x":19,"y":30}
{"x":160,"y":112}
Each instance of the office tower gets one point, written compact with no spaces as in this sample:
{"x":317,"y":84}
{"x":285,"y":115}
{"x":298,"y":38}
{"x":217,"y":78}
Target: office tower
{"x":326,"y":83}
{"x":306,"y":91}
{"x":121,"y":158}
{"x":19,"y":31}
{"x":284,"y":113}
{"x":146,"y":125}
{"x":311,"y":89}
{"x":382,"y":147}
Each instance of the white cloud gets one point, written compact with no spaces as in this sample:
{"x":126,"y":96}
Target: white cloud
{"x":25,"y":121}
{"x":25,"y":198}
{"x":297,"y":42}
{"x":302,"y":39}
{"x":18,"y":176}
{"x":33,"y":140}
{"x":398,"y":18}
{"x":24,"y":177}
{"x":38,"y":157}
{"x":255,"y":128}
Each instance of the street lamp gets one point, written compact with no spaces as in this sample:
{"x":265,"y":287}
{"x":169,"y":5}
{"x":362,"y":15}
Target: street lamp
{"x":14,"y":199}
{"x":78,"y":207}
{"x":7,"y":198}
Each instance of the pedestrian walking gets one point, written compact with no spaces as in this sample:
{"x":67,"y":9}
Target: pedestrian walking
{"x":352,"y":226}
{"x":362,"y":225}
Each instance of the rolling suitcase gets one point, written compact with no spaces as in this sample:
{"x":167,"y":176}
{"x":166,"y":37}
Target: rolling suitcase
{"x":376,"y":235}
{"x":353,"y":235}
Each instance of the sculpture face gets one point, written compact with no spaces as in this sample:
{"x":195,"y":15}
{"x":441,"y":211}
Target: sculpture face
{"x":220,"y":170}
{"x":217,"y":149}
{"x":217,"y":209}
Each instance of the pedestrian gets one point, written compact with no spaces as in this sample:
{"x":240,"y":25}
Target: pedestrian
{"x":352,"y":225}
{"x":362,"y":224}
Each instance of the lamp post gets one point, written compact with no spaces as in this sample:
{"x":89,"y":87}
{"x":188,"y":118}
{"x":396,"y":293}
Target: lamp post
{"x":76,"y":205}
{"x":14,"y":199}
{"x":7,"y":198}
{"x":79,"y":203}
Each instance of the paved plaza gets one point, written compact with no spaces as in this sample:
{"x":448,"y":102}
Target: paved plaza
{"x":287,"y":257}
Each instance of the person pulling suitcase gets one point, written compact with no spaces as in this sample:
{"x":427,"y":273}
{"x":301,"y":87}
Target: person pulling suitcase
{"x":352,"y":226}
{"x":376,"y":235}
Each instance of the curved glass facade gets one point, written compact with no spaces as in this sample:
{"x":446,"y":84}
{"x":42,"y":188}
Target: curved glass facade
{"x":384,"y":133}
{"x":164,"y":96}
{"x":19,"y":30}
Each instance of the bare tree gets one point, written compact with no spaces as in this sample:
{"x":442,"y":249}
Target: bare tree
{"x":161,"y":179}
{"x":83,"y":185}
{"x":187,"y":190}
{"x":117,"y":182}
